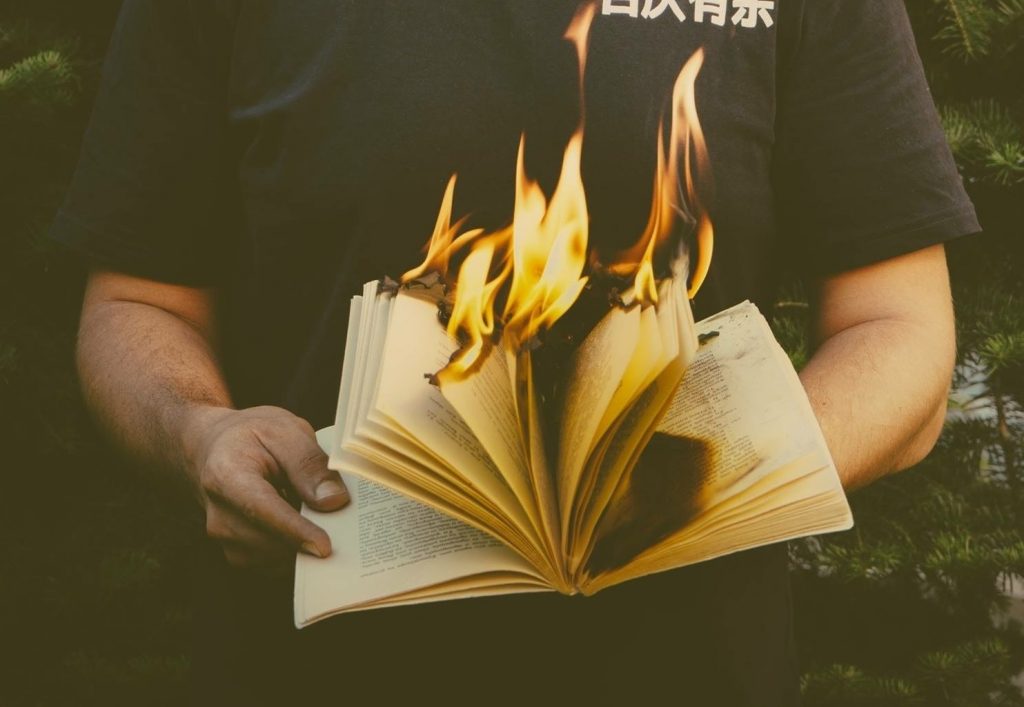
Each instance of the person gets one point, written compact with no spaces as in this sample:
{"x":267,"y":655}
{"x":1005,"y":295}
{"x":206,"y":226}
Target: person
{"x":249,"y":164}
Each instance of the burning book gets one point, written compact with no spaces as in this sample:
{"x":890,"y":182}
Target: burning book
{"x":517,"y":415}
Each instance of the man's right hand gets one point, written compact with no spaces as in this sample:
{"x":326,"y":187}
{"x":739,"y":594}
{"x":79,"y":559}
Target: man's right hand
{"x":148,"y":365}
{"x":249,"y":467}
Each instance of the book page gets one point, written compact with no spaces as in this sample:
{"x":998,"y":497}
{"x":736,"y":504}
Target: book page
{"x":387,"y":545}
{"x":348,"y":367}
{"x":661,"y":336}
{"x":354,"y":364}
{"x":626,"y":510}
{"x":764,"y":513}
{"x":741,"y":399}
{"x":741,"y":448}
{"x":656,"y":380}
{"x":616,"y":353}
{"x":674,"y":343}
{"x":377,"y":435}
{"x":485,"y":401}
{"x":417,"y":347}
{"x":364,"y":445}
{"x":364,"y":317}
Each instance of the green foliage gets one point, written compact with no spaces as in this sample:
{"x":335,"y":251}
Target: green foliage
{"x":41,"y":82}
{"x":987,"y":141}
{"x":848,"y":685}
{"x":789,"y":323}
{"x":972,"y":29}
{"x":953,"y":677}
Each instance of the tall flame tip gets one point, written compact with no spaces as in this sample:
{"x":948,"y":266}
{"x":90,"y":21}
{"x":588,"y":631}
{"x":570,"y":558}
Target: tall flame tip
{"x":519,"y":280}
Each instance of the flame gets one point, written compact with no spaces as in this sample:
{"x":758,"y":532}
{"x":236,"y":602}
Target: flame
{"x":549,"y":247}
{"x":535,"y":269}
{"x":444,"y":241}
{"x":670,"y":200}
{"x":475,"y":315}
{"x":578,"y":33}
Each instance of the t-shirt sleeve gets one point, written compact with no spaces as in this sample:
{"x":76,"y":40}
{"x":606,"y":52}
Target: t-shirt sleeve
{"x":149,"y":192}
{"x":862,"y":167}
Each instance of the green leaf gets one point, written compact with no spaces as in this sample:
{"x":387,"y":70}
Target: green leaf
{"x":44,"y":82}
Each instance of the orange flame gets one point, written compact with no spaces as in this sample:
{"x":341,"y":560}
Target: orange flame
{"x":668,"y":200}
{"x":474,"y":316}
{"x":444,"y":241}
{"x":578,"y":33}
{"x":549,"y":247}
{"x":542,"y":255}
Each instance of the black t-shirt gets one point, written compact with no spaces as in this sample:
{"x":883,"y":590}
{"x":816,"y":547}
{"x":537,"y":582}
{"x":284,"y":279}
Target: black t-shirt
{"x":287,"y":152}
{"x":284,"y":152}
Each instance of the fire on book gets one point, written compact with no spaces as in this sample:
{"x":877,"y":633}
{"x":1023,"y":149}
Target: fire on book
{"x":513,"y":284}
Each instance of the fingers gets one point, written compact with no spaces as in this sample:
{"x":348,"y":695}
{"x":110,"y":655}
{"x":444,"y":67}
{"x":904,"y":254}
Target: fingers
{"x":258,"y":502}
{"x":305,"y":465}
{"x":246,"y":545}
{"x":226,"y":526}
{"x":244,"y":457}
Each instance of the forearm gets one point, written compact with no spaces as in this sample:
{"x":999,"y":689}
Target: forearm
{"x":147,"y":374}
{"x":878,"y":391}
{"x":879,"y":378}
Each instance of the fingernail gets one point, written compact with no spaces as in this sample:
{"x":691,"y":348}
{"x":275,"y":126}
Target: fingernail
{"x":311,"y":549}
{"x":330,"y":489}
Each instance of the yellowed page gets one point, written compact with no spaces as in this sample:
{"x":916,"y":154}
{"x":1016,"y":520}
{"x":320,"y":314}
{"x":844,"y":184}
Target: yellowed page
{"x":804,"y":506}
{"x":479,"y":585}
{"x":353,"y":368}
{"x":630,"y":438}
{"x":385,"y":456}
{"x":368,"y":320}
{"x":626,"y":438}
{"x":687,"y":328}
{"x":387,"y":545}
{"x":742,"y":399}
{"x":647,"y":355}
{"x":740,"y":439}
{"x":348,"y":372}
{"x":417,"y":346}
{"x":485,"y":401}
{"x":600,"y":368}
{"x":424,"y":491}
{"x":615,"y":450}
{"x":542,"y":477}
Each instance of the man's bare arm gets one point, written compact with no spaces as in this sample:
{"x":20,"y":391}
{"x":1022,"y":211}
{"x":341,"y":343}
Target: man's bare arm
{"x":146,"y":358}
{"x":880,"y":376}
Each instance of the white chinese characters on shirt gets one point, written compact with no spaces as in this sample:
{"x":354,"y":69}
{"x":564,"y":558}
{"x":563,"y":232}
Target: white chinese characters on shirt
{"x":655,"y":8}
{"x":746,"y":13}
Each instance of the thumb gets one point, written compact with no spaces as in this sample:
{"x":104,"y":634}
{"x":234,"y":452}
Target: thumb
{"x":306,"y":467}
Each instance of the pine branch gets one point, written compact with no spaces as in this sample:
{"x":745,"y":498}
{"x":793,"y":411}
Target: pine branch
{"x":1012,"y":21}
{"x":986,"y":140}
{"x":43,"y":81}
{"x":841,"y":685}
{"x":968,"y":27}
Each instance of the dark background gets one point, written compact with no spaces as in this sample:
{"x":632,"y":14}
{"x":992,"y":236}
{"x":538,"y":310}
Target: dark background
{"x":909,"y":608}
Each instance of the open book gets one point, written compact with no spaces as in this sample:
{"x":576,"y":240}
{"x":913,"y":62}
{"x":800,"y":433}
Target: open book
{"x":674,"y":443}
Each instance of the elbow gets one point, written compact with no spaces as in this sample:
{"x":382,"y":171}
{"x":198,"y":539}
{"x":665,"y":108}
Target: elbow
{"x":923,"y":441}
{"x":927,"y":437}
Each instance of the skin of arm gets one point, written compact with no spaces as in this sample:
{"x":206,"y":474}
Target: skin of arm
{"x":147,"y":362}
{"x":877,"y":381}
{"x":880,"y":375}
